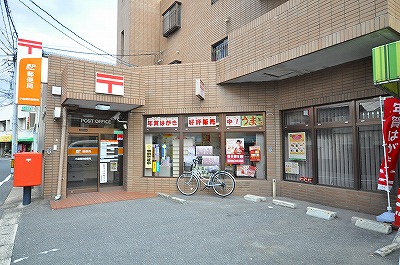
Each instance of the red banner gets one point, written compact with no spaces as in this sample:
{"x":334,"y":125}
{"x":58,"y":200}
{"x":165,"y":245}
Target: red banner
{"x":390,"y":130}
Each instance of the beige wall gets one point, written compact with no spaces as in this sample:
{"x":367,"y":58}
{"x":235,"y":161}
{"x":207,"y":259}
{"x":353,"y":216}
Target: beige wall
{"x":300,"y":27}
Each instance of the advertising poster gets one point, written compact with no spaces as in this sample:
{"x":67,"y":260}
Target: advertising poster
{"x":149,"y":156}
{"x":297,"y":146}
{"x":235,"y":151}
{"x":246,"y":171}
{"x":103,"y":172}
{"x":255,"y":153}
{"x":292,"y":168}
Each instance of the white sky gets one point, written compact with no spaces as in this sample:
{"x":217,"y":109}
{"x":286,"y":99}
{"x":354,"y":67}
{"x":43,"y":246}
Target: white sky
{"x":93,"y":20}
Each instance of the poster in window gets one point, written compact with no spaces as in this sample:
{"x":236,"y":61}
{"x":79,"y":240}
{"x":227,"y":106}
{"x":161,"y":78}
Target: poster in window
{"x":149,"y":156}
{"x":292,"y":168}
{"x":297,"y":146}
{"x":103,"y":172}
{"x":255,"y":153}
{"x":235,"y":151}
{"x":114,"y":166}
{"x":246,"y":171}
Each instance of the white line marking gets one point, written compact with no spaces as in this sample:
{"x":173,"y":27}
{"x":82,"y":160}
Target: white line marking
{"x":7,"y":179}
{"x":51,"y":250}
{"x":21,"y":259}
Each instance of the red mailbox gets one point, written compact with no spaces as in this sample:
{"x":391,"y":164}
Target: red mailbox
{"x":27,"y":169}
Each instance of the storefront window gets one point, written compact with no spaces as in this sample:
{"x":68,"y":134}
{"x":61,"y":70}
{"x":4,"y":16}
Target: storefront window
{"x":335,"y":157}
{"x":162,"y":154}
{"x":245,"y":154}
{"x":298,"y":156}
{"x":206,"y":146}
{"x":371,"y":155}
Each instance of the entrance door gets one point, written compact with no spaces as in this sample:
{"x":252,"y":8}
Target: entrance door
{"x":83,"y":159}
{"x":111,"y":157}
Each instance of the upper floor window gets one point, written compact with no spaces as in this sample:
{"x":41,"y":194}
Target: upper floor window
{"x":172,"y":19}
{"x":219,"y":50}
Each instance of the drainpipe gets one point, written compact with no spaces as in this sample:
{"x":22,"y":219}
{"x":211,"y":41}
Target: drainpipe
{"x":62,"y":144}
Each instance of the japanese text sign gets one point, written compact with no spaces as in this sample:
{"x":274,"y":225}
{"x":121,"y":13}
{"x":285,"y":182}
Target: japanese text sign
{"x":29,"y":74}
{"x":29,"y":81}
{"x":390,"y":130}
{"x":202,"y":121}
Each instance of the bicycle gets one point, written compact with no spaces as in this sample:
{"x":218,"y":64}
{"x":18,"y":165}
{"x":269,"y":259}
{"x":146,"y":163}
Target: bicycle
{"x":221,"y":181}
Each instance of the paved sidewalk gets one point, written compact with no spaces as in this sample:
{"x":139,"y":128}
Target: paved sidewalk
{"x":206,"y":229}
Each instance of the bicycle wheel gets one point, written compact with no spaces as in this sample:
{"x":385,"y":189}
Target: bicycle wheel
{"x":187,"y":184}
{"x":223,"y":183}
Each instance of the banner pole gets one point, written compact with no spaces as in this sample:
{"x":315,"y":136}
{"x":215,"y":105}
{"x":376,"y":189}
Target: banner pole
{"x":389,"y":208}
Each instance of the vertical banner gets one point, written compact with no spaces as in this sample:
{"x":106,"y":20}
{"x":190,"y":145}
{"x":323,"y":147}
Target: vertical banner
{"x":29,"y":72}
{"x":297,"y":146}
{"x":390,"y":131}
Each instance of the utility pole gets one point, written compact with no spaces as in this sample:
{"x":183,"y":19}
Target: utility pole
{"x":14,"y":139}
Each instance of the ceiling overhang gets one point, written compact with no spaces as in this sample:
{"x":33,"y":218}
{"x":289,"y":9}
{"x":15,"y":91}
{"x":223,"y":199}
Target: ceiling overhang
{"x":88,"y":104}
{"x":344,"y":52}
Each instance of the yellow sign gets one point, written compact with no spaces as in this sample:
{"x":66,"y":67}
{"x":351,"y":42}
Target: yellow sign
{"x":5,"y":138}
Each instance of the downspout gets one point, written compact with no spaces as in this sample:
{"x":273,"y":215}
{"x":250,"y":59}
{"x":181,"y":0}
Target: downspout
{"x":62,"y":144}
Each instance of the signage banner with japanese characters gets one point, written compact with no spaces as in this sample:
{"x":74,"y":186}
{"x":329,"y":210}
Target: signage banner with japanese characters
{"x":202,"y":121}
{"x":29,"y":65}
{"x":162,"y":122}
{"x":390,"y":130}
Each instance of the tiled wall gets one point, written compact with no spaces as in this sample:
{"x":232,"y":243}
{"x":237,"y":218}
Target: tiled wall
{"x":300,"y":27}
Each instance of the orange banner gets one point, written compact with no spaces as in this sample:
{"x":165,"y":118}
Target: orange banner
{"x":29,"y":83}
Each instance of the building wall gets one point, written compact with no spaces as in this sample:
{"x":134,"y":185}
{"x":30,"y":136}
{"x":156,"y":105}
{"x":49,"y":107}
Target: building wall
{"x":141,"y":22}
{"x":297,"y":28}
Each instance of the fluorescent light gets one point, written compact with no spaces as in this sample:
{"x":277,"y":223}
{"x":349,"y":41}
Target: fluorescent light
{"x":102,"y":107}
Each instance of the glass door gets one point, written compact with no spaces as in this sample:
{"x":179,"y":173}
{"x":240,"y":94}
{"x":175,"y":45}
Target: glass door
{"x":111,"y":157}
{"x":83,"y":159}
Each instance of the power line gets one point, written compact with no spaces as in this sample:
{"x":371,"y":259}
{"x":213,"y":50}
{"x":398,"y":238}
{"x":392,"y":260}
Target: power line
{"x":88,"y":53}
{"x":106,"y":53}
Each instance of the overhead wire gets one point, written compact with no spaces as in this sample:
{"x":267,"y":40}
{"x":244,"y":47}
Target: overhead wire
{"x":106,"y":53}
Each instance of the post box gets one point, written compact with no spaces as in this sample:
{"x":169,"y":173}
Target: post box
{"x":27,"y":169}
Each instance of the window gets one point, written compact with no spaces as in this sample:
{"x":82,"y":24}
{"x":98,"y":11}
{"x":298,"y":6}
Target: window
{"x":234,"y":141}
{"x":122,"y":44}
{"x":213,"y":1}
{"x":219,"y":50}
{"x":341,"y":146}
{"x":162,"y":154}
{"x":172,"y":19}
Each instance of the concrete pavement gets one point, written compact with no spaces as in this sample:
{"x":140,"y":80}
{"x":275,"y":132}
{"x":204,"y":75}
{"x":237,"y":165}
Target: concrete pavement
{"x":206,"y":229}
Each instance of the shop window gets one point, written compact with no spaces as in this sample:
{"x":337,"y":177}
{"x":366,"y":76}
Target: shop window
{"x":335,"y":157}
{"x":369,"y":110}
{"x":298,"y":117}
{"x":331,"y":114}
{"x":172,"y":19}
{"x":206,"y":146}
{"x":245,"y":154}
{"x":219,"y":50}
{"x":162,"y":154}
{"x":298,"y":156}
{"x":2,"y":126}
{"x":371,"y":155}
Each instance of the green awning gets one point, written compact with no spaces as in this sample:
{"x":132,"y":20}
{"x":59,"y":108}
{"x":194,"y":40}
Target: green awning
{"x":26,"y":139}
{"x":386,"y":67}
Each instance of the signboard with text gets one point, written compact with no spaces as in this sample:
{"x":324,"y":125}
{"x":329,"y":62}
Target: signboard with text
{"x":29,"y":74}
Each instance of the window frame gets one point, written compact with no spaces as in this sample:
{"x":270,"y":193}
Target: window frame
{"x":219,"y":50}
{"x":173,"y":24}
